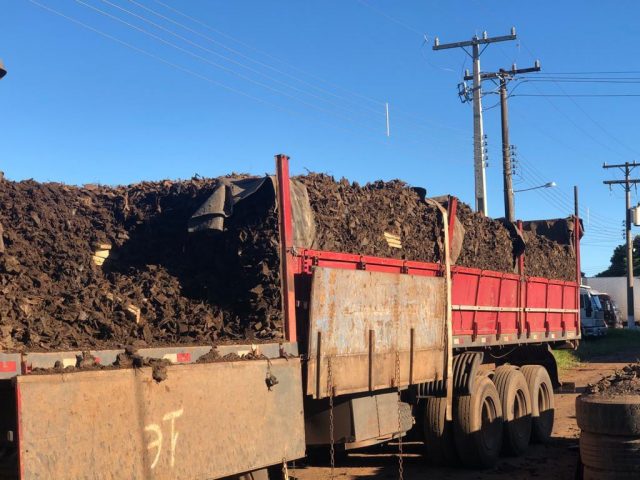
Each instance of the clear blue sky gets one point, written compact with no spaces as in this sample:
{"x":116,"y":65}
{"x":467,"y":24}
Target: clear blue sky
{"x":239,"y":81}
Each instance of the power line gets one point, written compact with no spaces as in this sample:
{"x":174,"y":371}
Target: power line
{"x":184,"y":69}
{"x":262,"y":52}
{"x":569,"y":95}
{"x":257,"y":62}
{"x":242,"y":65}
{"x":224,"y":68}
{"x":399,"y":112}
{"x":393,"y":19}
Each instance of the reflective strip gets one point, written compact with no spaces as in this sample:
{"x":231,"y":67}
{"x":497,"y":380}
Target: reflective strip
{"x":8,"y":366}
{"x":184,"y":357}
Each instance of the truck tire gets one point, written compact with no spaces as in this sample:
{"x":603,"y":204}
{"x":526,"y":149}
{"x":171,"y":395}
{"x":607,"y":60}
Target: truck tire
{"x":618,"y":415}
{"x":516,"y":409}
{"x":477,"y":424}
{"x":542,"y":402}
{"x":439,"y":447}
{"x":607,"y":452}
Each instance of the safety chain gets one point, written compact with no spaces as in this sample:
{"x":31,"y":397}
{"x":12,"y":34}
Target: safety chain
{"x":332,"y":451}
{"x":400,"y":459}
{"x":285,"y":470}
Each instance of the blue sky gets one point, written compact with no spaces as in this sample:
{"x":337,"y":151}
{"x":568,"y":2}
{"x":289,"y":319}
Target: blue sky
{"x":213,"y":87}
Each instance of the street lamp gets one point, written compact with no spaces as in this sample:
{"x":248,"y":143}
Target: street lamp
{"x":546,"y":185}
{"x":3,"y":72}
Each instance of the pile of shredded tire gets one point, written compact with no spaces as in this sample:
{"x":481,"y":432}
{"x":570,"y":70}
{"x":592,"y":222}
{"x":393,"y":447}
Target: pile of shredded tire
{"x":158,"y":286}
{"x":109,"y":267}
{"x":622,"y":382}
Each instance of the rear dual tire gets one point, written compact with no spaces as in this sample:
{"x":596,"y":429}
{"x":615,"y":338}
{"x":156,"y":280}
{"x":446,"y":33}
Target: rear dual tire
{"x":478,"y":425}
{"x":516,"y":409}
{"x":439,"y":447}
{"x":542,"y":402}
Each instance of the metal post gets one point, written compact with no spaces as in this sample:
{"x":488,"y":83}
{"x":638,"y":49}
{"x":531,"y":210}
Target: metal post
{"x":478,"y":135}
{"x":479,"y":163}
{"x":630,"y":298}
{"x":627,"y":167}
{"x":509,"y":208}
{"x":287,"y":258}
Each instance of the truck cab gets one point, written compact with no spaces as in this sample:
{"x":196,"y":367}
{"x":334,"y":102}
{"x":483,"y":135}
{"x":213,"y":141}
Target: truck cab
{"x":591,"y":314}
{"x":611,"y":312}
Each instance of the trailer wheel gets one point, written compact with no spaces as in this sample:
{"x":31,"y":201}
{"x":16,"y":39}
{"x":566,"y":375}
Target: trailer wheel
{"x":439,"y":447}
{"x":516,"y":407}
{"x":477,"y":424}
{"x":542,"y":402}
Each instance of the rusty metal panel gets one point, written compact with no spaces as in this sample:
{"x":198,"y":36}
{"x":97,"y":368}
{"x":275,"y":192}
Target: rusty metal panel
{"x":204,"y":421}
{"x":359,"y":320}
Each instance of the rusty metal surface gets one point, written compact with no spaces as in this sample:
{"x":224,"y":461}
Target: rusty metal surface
{"x":360,"y":319}
{"x":204,"y":421}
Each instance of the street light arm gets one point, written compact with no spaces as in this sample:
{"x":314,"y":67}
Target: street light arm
{"x":546,"y":185}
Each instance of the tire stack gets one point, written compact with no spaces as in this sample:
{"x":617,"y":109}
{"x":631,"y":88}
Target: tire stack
{"x":610,"y":437}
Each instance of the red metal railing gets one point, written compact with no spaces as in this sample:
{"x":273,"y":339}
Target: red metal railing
{"x":488,"y":307}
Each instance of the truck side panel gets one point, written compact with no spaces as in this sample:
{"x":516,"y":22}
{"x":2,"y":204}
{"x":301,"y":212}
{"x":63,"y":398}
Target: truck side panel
{"x":358,"y":320}
{"x":204,"y":421}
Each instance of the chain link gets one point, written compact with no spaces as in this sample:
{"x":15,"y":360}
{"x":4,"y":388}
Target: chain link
{"x":285,"y":470}
{"x":400,"y":459}
{"x":332,"y":451}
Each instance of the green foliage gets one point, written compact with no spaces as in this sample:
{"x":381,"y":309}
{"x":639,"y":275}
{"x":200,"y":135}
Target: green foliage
{"x":617,"y":341}
{"x":618,"y":267}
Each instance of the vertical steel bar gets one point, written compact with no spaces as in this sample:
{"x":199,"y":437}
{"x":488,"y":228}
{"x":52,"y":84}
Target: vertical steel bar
{"x":521,"y":287}
{"x":287,"y":260}
{"x":577,"y":231}
{"x":372,"y":346}
{"x":318,"y":365}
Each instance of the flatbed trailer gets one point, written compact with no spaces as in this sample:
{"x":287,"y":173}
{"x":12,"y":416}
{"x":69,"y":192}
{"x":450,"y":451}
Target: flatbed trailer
{"x":373,"y":348}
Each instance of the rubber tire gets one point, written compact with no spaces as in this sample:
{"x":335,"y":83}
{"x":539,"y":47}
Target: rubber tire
{"x":514,"y":391}
{"x":618,"y":415}
{"x":539,"y":383}
{"x":589,"y":473}
{"x":607,"y":452}
{"x":478,"y":444}
{"x":439,"y":447}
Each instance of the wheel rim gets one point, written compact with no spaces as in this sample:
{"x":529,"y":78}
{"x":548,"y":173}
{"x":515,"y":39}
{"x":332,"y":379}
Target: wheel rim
{"x":519,"y":411}
{"x":543,"y":399}
{"x":490,"y":429}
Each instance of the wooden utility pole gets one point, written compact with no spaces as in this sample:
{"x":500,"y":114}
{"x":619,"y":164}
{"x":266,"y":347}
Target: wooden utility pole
{"x":505,"y":76}
{"x":627,"y":167}
{"x":478,"y":133}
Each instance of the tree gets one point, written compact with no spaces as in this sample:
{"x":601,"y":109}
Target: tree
{"x":618,"y":267}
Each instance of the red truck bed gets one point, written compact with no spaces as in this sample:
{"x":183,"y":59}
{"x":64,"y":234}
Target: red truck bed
{"x":487,"y":307}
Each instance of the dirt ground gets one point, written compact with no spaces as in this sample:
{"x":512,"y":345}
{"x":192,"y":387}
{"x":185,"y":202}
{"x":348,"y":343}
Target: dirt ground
{"x":555,"y":461}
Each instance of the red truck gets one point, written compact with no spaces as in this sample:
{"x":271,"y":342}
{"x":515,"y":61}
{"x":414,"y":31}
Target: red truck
{"x":374,"y":348}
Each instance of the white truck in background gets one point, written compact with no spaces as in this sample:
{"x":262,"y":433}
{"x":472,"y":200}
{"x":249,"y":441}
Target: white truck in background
{"x":592,"y":323}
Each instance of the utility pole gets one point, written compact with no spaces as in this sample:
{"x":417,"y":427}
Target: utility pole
{"x":627,"y":167}
{"x":504,"y":76}
{"x":478,"y":134}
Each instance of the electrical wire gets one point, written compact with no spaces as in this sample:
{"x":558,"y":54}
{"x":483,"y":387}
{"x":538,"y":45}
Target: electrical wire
{"x":265,"y":53}
{"x":398,"y":112}
{"x":232,"y":60}
{"x":184,"y":69}
{"x":571,"y":95}
{"x":225,"y":68}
